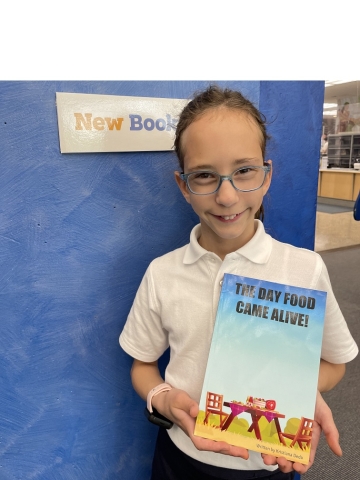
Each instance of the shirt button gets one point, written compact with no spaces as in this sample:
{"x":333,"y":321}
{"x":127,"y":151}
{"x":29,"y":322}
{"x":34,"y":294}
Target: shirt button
{"x":221,"y":282}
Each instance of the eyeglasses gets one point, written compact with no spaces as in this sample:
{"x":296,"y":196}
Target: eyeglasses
{"x":244,"y":179}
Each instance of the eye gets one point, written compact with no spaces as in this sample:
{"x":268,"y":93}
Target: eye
{"x":203,"y":175}
{"x":202,"y":179}
{"x":245,"y":172}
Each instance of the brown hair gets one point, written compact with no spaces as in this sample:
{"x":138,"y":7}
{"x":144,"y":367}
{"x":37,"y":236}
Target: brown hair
{"x":215,"y":97}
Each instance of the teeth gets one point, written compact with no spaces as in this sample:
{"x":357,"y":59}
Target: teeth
{"x":228,"y":217}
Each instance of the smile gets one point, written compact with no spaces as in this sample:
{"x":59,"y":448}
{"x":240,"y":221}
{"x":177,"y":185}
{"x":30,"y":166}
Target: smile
{"x":228,"y":218}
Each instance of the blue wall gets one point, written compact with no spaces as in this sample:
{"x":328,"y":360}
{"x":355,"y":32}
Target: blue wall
{"x":77,"y":232}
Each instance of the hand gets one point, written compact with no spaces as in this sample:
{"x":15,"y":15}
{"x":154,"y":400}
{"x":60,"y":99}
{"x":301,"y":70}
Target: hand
{"x":287,"y":466}
{"x":323,"y":421}
{"x":178,"y":407}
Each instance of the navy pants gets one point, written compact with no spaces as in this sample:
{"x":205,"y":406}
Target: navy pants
{"x":170,"y":463}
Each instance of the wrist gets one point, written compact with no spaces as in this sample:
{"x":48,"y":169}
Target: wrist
{"x":151,"y":412}
{"x":154,"y":393}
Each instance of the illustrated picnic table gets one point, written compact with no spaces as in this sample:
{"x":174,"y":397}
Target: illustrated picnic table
{"x":256,"y":413}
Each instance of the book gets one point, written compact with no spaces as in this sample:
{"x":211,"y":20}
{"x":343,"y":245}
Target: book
{"x":261,"y":378}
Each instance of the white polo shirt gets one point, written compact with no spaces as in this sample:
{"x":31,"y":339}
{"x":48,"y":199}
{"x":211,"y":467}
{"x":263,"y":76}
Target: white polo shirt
{"x":176,"y":306}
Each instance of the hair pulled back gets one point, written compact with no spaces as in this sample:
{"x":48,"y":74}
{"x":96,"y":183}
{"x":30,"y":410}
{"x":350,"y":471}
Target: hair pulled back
{"x":210,"y":99}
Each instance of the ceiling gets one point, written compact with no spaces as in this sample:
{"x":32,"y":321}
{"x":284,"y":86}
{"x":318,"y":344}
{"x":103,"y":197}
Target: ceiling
{"x":333,"y":90}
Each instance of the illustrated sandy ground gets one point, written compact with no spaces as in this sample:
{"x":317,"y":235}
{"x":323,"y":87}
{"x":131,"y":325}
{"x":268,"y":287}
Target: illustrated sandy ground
{"x":213,"y":432}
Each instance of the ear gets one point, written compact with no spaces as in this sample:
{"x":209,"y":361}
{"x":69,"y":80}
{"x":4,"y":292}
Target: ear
{"x":182,"y":186}
{"x":268,"y":178}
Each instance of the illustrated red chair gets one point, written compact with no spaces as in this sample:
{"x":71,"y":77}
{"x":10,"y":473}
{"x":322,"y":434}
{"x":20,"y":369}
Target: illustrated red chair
{"x":214,"y":404}
{"x":303,"y":434}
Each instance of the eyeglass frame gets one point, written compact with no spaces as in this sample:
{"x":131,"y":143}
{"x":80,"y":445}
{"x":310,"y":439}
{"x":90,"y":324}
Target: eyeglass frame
{"x":266,"y":168}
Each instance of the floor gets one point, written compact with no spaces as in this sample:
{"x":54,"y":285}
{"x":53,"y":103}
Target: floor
{"x":343,"y":266}
{"x":336,"y":230}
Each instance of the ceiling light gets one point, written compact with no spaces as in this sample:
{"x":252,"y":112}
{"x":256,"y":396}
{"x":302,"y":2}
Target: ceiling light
{"x":329,"y":83}
{"x":330,"y":105}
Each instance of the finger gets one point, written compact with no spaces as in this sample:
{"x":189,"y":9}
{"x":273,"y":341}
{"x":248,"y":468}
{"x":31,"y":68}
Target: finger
{"x":301,"y":468}
{"x":184,"y":402}
{"x":315,"y":438}
{"x":269,"y":459}
{"x":331,"y":434}
{"x":194,"y":410}
{"x":286,"y":466}
{"x":332,"y":439}
{"x":187,"y":424}
{"x":324,"y":417}
{"x":219,"y":447}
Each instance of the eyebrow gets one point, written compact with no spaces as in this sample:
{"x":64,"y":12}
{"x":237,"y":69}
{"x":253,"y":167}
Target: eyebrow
{"x":240,"y":161}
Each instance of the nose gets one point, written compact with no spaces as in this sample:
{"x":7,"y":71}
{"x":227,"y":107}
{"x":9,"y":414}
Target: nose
{"x":226,"y":195}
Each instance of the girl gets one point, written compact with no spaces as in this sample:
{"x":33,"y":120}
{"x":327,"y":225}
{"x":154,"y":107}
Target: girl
{"x":220,"y":140}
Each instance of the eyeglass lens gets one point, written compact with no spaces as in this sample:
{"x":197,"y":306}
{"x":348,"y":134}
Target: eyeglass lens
{"x":249,"y":178}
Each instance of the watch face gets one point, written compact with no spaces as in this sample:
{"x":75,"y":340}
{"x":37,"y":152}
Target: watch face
{"x":158,"y":419}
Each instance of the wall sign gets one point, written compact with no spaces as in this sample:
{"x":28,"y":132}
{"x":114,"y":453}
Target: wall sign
{"x":110,"y":123}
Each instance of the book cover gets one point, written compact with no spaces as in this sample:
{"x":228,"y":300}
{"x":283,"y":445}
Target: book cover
{"x":261,"y":378}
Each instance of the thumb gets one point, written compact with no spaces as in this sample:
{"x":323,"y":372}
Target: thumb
{"x":191,"y":407}
{"x":185,"y":403}
{"x":324,"y":417}
{"x":194,"y":410}
{"x":332,"y":439}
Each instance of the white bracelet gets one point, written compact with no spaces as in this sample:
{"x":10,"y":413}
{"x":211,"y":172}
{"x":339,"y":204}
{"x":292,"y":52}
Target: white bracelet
{"x":163,"y":387}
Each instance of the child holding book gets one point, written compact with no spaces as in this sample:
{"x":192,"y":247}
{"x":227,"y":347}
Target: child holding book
{"x":220,"y":143}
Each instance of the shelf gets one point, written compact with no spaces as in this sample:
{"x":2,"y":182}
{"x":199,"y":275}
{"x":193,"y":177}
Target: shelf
{"x":343,"y":149}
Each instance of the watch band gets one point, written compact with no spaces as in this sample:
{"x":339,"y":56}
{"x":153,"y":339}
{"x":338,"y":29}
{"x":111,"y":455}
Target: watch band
{"x":163,"y":387}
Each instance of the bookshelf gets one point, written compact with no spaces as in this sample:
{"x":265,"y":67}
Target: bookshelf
{"x":343,"y":149}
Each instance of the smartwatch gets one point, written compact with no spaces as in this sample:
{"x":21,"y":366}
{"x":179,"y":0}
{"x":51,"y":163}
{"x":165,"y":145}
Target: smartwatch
{"x":151,"y":413}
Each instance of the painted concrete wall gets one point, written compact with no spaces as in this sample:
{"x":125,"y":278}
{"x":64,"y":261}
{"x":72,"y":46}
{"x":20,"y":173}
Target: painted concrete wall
{"x":77,"y":232}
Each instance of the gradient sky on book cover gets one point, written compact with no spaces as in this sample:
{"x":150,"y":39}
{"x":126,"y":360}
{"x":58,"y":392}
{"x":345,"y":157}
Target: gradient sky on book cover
{"x":260,"y":357}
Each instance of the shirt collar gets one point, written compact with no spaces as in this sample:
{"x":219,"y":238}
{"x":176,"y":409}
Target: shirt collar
{"x":194,"y":251}
{"x":257,"y":250}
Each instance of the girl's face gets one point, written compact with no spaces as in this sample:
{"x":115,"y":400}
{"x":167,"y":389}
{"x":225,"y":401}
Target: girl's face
{"x":223,"y":140}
